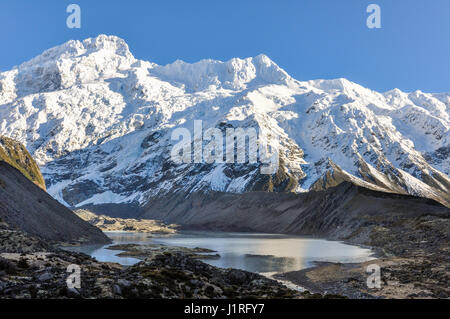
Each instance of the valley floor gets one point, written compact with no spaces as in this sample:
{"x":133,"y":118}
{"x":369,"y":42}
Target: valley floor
{"x":413,"y":255}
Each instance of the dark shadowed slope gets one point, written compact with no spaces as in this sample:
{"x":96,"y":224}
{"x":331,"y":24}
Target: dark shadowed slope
{"x":25,"y":206}
{"x":343,"y":212}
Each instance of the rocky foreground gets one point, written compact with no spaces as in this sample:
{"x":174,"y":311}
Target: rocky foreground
{"x":30,"y":268}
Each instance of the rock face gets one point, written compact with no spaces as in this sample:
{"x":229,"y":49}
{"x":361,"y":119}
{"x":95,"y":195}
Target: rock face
{"x":25,"y":206}
{"x":334,"y":213}
{"x":16,"y":155}
{"x":99,"y":122}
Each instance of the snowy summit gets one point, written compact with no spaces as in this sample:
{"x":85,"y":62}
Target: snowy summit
{"x":98,"y":121}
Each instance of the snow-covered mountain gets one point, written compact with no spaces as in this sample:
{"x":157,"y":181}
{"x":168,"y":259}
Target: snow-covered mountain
{"x":99,"y":121}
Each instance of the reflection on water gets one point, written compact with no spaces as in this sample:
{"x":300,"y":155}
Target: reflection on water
{"x":100,"y":253}
{"x":263,"y":253}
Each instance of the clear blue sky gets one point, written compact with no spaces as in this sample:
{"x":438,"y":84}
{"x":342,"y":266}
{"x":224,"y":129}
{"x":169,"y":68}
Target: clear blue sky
{"x":310,"y":39}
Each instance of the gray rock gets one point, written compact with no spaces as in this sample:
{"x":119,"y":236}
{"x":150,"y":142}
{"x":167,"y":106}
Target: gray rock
{"x":73,"y":292}
{"x":45,"y":276}
{"x":117,"y":290}
{"x":237,"y":276}
{"x":124,"y":283}
{"x":194,"y":282}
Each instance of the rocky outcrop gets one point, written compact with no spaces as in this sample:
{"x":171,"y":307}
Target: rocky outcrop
{"x":16,"y":155}
{"x":150,"y":250}
{"x":25,"y":206}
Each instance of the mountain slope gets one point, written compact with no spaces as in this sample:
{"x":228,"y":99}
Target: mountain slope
{"x":16,"y":155}
{"x":99,"y":123}
{"x":346,"y":211}
{"x":25,"y":206}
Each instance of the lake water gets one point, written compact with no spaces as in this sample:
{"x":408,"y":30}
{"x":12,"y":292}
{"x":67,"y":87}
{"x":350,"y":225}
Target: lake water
{"x":261,"y":253}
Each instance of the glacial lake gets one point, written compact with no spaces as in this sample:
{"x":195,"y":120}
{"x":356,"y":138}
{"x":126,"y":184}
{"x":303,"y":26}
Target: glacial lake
{"x":261,"y":253}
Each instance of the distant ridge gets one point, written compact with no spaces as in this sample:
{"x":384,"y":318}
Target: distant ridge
{"x":346,"y":211}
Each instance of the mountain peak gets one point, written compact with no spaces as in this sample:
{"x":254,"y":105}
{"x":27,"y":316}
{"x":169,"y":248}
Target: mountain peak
{"x":263,"y":59}
{"x":108,"y":42}
{"x":233,"y":74}
{"x":72,"y":63}
{"x":104,"y":44}
{"x":339,"y":84}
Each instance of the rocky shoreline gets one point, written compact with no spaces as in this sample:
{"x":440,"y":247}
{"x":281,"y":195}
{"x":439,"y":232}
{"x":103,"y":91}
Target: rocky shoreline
{"x":30,"y":268}
{"x":413,"y":256}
